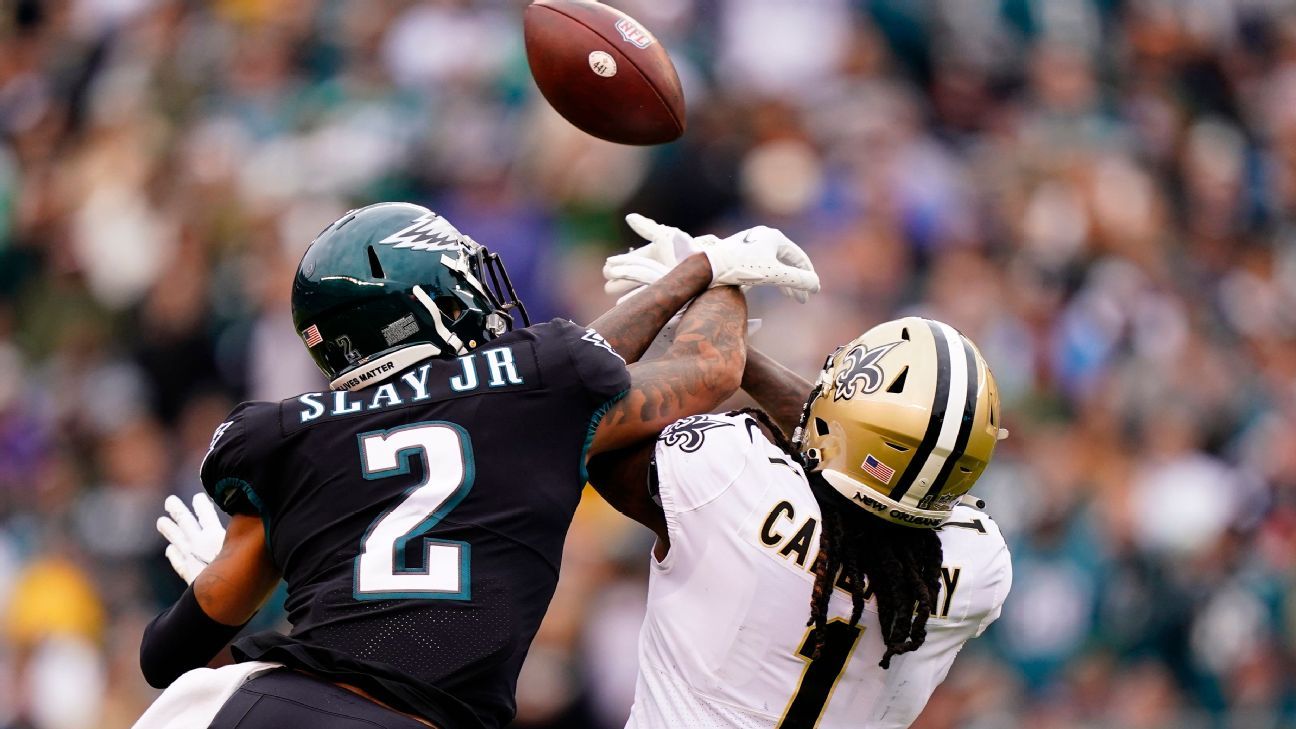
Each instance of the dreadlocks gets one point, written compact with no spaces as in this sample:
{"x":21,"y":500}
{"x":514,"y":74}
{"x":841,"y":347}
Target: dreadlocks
{"x":899,"y":566}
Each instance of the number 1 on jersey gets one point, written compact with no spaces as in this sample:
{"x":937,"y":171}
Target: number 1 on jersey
{"x":821,"y":674}
{"x":382,"y":569}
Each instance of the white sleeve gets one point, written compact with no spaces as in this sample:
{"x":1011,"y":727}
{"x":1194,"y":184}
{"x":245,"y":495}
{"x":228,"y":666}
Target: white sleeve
{"x":696,"y":460}
{"x":914,"y":676}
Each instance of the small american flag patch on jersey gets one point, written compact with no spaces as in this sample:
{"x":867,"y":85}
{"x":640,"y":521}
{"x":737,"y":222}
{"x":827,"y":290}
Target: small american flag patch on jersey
{"x":877,"y":469}
{"x":312,"y":336}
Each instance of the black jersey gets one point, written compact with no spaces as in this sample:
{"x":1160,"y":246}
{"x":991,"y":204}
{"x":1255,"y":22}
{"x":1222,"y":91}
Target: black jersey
{"x":419,"y":522}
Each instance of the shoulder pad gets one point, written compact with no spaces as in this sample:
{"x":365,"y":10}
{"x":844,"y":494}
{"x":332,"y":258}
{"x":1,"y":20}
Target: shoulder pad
{"x":699,"y":456}
{"x":597,"y":367}
{"x":232,"y":467}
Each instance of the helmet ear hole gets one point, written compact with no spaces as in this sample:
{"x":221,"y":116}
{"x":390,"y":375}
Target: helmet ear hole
{"x":375,"y":265}
{"x":904,"y":334}
{"x":450,"y":306}
{"x":821,"y":426}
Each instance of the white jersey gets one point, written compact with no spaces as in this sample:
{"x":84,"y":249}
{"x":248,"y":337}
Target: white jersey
{"x":724,"y":643}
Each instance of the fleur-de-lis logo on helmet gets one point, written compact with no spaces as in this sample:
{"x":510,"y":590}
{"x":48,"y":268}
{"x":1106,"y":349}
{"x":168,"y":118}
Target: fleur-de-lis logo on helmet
{"x":859,"y":371}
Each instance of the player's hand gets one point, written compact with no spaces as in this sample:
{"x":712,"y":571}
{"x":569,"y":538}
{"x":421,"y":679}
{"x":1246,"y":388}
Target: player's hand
{"x":763,"y":256}
{"x":756,"y":256}
{"x":667,"y":246}
{"x":195,"y":537}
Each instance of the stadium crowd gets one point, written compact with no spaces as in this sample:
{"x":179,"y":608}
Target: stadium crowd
{"x":1101,"y":193}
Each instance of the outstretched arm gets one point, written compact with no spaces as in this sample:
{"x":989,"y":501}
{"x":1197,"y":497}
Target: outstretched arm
{"x":778,"y":390}
{"x":624,"y":477}
{"x":699,"y":371}
{"x":758,"y":256}
{"x":631,"y":326}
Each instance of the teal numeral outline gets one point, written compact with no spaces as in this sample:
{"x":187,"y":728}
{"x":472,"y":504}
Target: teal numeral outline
{"x":403,"y":458}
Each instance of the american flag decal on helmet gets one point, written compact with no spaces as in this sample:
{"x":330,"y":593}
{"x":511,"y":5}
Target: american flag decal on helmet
{"x":312,"y":336}
{"x":877,"y":469}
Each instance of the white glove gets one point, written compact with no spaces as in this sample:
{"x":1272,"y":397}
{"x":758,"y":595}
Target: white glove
{"x":195,"y":537}
{"x":763,"y":256}
{"x":757,"y":256}
{"x":667,"y":246}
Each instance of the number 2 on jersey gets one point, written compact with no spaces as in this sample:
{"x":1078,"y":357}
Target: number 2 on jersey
{"x":382,"y":569}
{"x":821,"y":674}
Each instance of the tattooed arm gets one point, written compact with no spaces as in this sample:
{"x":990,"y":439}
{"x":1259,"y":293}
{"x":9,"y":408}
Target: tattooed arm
{"x":780,"y":392}
{"x":700,"y":369}
{"x":631,"y":326}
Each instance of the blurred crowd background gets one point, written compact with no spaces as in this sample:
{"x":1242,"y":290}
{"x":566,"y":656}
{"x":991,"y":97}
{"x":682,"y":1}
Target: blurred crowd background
{"x":1101,"y":193}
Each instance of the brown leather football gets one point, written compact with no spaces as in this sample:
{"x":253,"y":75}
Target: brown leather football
{"x":604,"y":72}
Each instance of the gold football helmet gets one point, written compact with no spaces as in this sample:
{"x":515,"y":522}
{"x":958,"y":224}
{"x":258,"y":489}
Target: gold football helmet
{"x":903,"y":420}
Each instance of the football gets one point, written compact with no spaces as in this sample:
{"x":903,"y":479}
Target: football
{"x":603,"y":72}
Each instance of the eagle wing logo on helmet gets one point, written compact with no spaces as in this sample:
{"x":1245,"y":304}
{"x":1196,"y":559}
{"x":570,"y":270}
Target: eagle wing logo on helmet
{"x":428,"y":232}
{"x":690,"y":433}
{"x":859,"y":371}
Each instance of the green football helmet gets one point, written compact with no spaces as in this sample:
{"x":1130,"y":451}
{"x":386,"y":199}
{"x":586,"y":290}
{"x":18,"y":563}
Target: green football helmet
{"x":390,"y":284}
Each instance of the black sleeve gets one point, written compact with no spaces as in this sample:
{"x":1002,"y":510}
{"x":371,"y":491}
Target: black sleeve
{"x":181,"y":639}
{"x":233,"y":462}
{"x":601,"y":371}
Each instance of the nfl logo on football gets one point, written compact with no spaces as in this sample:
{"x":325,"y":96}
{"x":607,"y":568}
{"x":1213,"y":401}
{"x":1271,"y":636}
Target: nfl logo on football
{"x":633,"y":33}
